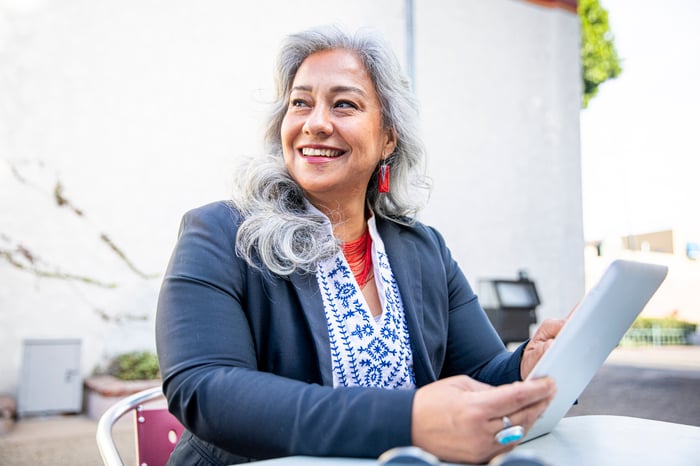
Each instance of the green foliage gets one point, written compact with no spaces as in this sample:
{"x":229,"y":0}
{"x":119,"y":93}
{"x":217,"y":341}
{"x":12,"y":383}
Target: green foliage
{"x":599,"y":59}
{"x":137,"y":365}
{"x":664,"y":322}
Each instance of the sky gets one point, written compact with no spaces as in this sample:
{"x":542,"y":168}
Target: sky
{"x":640,"y":136}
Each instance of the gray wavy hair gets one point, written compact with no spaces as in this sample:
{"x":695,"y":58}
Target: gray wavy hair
{"x":279,"y":232}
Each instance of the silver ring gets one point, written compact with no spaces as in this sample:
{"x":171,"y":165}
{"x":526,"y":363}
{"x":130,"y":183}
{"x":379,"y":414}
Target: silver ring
{"x":509,"y":433}
{"x":407,"y":455}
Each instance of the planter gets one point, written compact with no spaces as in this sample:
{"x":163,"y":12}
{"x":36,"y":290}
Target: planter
{"x":8,"y":413}
{"x":102,"y":391}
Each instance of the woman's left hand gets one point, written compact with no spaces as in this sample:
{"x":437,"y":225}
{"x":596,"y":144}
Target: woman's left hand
{"x":540,"y":342}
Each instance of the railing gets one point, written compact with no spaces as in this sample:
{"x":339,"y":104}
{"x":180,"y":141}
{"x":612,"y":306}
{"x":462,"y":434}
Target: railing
{"x":656,"y":336}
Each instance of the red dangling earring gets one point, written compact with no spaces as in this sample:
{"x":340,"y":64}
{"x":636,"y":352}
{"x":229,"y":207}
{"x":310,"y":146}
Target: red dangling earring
{"x":384,"y":175}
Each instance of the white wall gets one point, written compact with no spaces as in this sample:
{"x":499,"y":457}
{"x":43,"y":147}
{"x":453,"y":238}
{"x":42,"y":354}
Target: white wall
{"x":139,"y":110}
{"x":500,"y":89}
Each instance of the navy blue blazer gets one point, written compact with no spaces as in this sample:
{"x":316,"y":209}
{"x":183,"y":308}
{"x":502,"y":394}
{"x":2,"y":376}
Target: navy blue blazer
{"x":245,"y":355}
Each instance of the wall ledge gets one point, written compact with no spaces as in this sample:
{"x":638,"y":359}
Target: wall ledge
{"x":102,"y":391}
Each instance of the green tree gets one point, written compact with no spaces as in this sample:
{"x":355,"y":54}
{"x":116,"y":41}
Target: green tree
{"x":599,"y":59}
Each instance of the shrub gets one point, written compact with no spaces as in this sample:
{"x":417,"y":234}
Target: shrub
{"x":136,"y":365}
{"x":664,"y":322}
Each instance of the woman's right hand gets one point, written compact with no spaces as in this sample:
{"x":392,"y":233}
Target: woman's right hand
{"x":457,"y":418}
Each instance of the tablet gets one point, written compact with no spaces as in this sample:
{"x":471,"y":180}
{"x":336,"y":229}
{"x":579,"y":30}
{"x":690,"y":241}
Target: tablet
{"x":592,"y":332}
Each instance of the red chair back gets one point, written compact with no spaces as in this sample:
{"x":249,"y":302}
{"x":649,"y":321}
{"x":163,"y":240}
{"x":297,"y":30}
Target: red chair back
{"x":157,"y":432}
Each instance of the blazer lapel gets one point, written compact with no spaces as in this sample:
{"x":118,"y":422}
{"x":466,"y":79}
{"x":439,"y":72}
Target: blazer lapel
{"x":405,"y":264}
{"x":309,"y":296}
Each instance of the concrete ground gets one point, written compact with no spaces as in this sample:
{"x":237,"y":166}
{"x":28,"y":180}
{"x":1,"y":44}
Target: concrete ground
{"x":653,"y":383}
{"x":62,"y":440}
{"x":661,"y":384}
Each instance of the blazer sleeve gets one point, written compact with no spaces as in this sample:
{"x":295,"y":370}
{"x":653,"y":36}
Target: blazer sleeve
{"x":473,"y":345}
{"x":208,"y":360}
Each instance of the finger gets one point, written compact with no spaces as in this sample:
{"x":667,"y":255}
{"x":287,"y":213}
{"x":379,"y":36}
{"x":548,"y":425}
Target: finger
{"x":549,"y":329}
{"x":525,"y":417}
{"x":502,"y":449}
{"x":547,"y":344}
{"x":511,"y":398}
{"x":541,"y":348}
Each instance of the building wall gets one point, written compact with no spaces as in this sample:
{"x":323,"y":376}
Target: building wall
{"x":678,"y":295}
{"x":116,"y":117}
{"x":657,"y":241}
{"x":500,"y":96}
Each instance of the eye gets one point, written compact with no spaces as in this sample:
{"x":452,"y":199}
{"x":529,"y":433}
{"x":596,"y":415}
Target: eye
{"x":345,"y":104}
{"x":298,"y":103}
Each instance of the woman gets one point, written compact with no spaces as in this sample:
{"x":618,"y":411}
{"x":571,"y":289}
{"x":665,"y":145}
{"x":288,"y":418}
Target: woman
{"x":313,"y":315}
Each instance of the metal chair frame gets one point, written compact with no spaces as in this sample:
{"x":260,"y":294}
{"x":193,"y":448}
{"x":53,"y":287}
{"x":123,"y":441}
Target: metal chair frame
{"x":105,"y":441}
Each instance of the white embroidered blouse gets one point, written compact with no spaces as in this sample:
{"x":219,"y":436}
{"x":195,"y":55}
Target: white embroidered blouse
{"x":365,"y":351}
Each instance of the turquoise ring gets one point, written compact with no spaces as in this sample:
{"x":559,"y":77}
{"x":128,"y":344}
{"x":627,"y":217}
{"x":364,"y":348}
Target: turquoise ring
{"x":509,"y":433}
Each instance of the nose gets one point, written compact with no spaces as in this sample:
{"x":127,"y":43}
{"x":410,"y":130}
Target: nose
{"x":318,"y":122}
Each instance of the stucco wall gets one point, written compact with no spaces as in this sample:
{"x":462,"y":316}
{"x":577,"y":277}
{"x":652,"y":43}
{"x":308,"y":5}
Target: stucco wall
{"x":136,"y":112}
{"x":500,"y":95}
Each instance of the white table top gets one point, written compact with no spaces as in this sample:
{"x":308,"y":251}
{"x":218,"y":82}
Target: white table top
{"x":585,"y":441}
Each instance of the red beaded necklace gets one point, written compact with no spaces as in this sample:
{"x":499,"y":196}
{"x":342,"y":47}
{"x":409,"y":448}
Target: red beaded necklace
{"x":358,"y":253}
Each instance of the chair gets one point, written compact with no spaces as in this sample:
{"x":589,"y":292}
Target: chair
{"x":157,"y":431}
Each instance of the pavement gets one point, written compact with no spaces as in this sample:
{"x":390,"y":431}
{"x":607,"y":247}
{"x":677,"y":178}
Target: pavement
{"x":660,"y":383}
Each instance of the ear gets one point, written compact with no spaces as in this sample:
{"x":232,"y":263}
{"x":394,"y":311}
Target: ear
{"x":389,"y":142}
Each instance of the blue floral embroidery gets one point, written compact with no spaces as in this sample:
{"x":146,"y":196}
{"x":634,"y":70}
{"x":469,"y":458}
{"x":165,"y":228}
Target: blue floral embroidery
{"x":364,"y":352}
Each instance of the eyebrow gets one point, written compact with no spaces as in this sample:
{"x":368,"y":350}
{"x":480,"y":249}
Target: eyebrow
{"x":334,"y":89}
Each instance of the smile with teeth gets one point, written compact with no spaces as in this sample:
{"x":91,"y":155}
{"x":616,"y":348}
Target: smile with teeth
{"x":330,"y":153}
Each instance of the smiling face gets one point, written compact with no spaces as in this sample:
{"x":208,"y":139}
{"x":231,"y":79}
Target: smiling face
{"x":332,"y":134}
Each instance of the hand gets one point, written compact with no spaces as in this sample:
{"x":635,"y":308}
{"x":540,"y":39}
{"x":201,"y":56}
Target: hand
{"x":457,"y":418}
{"x":540,"y":342}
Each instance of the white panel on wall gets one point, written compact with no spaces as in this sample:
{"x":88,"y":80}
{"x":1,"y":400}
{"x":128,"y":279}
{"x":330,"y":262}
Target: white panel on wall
{"x":51,"y":378}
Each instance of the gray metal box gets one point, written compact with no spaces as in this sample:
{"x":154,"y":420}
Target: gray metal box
{"x":50,"y":379}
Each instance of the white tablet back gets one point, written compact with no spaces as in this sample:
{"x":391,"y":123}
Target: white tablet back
{"x":591,"y":333}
